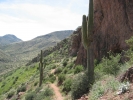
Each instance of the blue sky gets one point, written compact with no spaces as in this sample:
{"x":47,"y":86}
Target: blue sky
{"x":28,"y":19}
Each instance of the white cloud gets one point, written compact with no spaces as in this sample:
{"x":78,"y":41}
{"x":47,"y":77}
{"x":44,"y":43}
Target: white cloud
{"x":28,"y":20}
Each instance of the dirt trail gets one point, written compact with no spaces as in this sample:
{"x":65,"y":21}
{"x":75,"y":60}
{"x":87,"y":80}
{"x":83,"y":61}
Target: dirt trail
{"x":57,"y":93}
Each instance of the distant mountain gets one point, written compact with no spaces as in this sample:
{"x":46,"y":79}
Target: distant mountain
{"x":26,"y":50}
{"x":8,"y":39}
{"x":57,"y":34}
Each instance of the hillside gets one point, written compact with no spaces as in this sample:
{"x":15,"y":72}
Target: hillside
{"x":5,"y":61}
{"x":28,"y":49}
{"x":63,"y":78}
{"x":8,"y":39}
{"x":63,"y":68}
{"x":4,"y":57}
{"x":28,"y":76}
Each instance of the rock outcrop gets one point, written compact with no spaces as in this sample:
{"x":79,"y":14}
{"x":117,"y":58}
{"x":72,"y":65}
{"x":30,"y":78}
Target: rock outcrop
{"x":127,"y":76}
{"x":113,"y":24}
{"x":77,"y":49}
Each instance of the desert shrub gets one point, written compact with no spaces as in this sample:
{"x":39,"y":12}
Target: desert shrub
{"x":50,"y":66}
{"x":15,"y":80}
{"x":52,"y":78}
{"x":98,"y":89}
{"x":70,"y":65}
{"x":109,"y":65}
{"x":79,"y":85}
{"x":3,"y":84}
{"x":78,"y":69}
{"x":53,"y":67}
{"x":130,"y":42}
{"x":38,"y":89}
{"x":35,"y":84}
{"x":67,"y":85}
{"x":1,"y":80}
{"x":70,"y":71}
{"x":26,"y":69}
{"x":10,"y":94}
{"x":30,"y":96}
{"x":113,"y":84}
{"x":65,"y":70}
{"x":64,"y":63}
{"x":58,"y":70}
{"x":61,"y":78}
{"x":21,"y":89}
{"x":47,"y":94}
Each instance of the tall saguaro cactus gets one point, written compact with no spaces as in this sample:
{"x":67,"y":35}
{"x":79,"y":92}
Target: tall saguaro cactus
{"x":87,"y":31}
{"x":41,"y":69}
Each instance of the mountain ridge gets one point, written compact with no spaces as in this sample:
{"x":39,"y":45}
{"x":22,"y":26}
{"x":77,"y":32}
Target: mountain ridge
{"x":26,"y":50}
{"x":8,"y":39}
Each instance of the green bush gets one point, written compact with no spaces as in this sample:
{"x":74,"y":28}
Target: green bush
{"x":38,"y":89}
{"x":70,"y":71}
{"x":65,"y":70}
{"x":109,"y":65}
{"x":1,"y":80}
{"x":30,"y":96}
{"x":47,"y":94}
{"x":78,"y":69}
{"x":67,"y":85}
{"x":58,"y":70}
{"x":52,"y":78}
{"x":35,"y":84}
{"x":64,"y":63}
{"x":79,"y":86}
{"x":15,"y":80}
{"x":98,"y":89}
{"x":21,"y":89}
{"x":130,"y":42}
{"x":61,"y":78}
{"x":70,"y":65}
{"x":3,"y":84}
{"x":10,"y":94}
{"x":53,"y":67}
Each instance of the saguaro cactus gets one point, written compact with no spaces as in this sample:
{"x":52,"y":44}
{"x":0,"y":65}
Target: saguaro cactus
{"x":41,"y":69}
{"x":87,"y":30}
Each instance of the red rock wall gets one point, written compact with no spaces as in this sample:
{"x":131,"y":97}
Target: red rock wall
{"x":113,"y":24}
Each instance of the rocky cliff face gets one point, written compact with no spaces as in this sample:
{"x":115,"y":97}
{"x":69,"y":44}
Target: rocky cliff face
{"x":77,"y":49}
{"x":113,"y":24}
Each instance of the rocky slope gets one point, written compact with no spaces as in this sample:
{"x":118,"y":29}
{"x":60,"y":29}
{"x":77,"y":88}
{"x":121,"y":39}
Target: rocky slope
{"x":65,"y":42}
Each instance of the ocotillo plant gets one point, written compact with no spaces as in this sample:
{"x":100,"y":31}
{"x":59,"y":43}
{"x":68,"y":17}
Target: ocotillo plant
{"x":87,"y":30}
{"x":41,"y":69}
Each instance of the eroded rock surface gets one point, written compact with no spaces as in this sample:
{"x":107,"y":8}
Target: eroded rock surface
{"x":113,"y":24}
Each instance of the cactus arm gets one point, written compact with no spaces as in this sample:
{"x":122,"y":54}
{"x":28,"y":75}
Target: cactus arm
{"x":84,"y":32}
